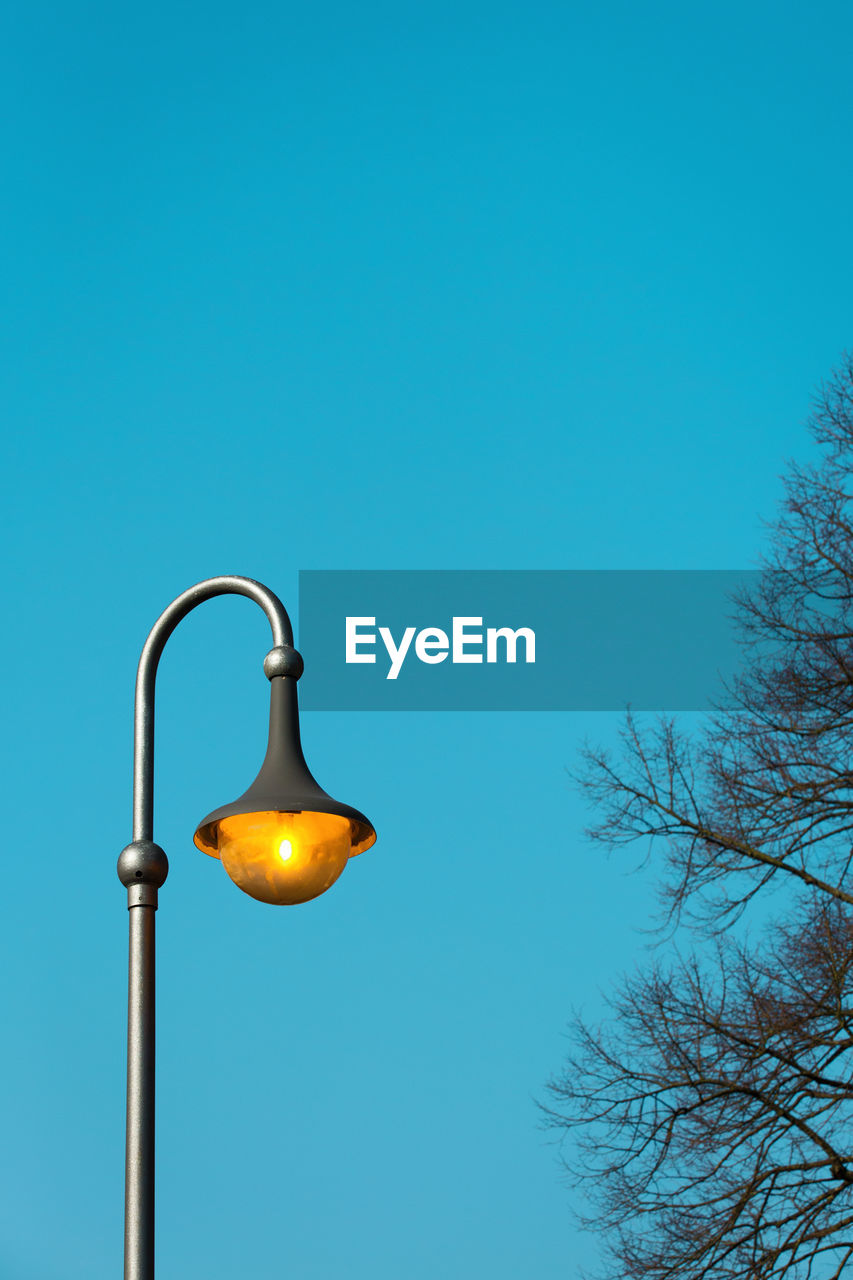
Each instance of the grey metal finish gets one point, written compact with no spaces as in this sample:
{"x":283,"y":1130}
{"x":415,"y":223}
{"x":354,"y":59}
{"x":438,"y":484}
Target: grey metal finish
{"x":285,"y":783}
{"x":142,"y":865}
{"x":139,"y":1156}
{"x":142,"y":868}
{"x":283,"y":661}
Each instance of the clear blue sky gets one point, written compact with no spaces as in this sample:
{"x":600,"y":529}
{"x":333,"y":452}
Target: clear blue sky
{"x":363,"y":286}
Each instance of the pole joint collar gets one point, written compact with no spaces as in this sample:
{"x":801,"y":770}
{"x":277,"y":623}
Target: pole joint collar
{"x":141,"y":895}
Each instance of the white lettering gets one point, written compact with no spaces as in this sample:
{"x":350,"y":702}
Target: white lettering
{"x":432,"y":645}
{"x":461,"y":638}
{"x":354,"y":639}
{"x":396,"y":655}
{"x":511,"y":638}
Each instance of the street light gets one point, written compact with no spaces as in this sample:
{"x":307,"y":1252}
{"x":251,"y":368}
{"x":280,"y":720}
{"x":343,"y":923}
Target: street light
{"x":283,"y":841}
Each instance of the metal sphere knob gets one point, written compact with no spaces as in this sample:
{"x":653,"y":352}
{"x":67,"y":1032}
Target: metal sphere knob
{"x":283,"y":660}
{"x":142,"y":862}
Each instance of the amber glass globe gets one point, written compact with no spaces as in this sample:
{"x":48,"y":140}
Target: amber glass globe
{"x":283,"y":858}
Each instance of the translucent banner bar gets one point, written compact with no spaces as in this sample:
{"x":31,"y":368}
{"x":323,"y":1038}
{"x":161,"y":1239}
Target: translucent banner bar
{"x":517,"y":640}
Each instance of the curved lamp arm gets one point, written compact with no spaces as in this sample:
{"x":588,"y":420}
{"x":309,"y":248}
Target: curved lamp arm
{"x":143,"y":721}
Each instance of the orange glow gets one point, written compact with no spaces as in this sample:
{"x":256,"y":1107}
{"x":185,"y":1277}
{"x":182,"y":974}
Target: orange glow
{"x":281,"y":858}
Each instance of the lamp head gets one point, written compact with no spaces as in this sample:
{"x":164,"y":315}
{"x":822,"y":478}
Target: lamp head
{"x":285,"y":840}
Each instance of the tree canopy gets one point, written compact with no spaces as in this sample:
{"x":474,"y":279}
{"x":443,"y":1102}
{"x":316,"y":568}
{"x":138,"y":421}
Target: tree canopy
{"x":710,"y":1114}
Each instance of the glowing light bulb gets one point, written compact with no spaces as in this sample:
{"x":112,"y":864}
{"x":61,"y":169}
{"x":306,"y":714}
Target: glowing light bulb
{"x":283,"y":858}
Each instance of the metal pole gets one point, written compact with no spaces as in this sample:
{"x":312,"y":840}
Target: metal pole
{"x":139,"y":1161}
{"x":142,"y":868}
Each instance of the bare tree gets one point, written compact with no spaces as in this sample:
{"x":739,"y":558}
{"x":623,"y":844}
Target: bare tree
{"x":711,"y":1114}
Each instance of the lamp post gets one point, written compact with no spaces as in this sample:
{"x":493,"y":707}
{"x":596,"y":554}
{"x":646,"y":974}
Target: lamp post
{"x":283,"y":841}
